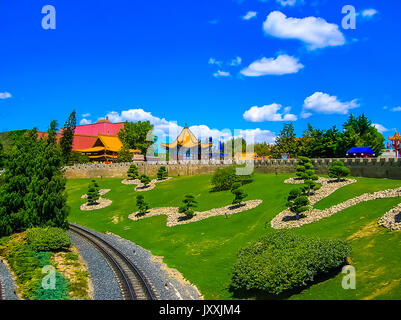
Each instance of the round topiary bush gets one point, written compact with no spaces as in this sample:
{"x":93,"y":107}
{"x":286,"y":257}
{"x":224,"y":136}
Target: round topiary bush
{"x":283,"y":261}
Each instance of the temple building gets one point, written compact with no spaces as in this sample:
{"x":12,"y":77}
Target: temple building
{"x":396,"y":144}
{"x":188,"y":147}
{"x":105,"y":149}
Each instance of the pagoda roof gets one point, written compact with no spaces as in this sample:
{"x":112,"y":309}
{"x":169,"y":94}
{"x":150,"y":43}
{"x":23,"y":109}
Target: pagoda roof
{"x":185,"y":139}
{"x":361,"y":150}
{"x":396,"y":137}
{"x":106,"y":143}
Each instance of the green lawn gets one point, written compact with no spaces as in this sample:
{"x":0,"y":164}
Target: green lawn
{"x":205,"y":251}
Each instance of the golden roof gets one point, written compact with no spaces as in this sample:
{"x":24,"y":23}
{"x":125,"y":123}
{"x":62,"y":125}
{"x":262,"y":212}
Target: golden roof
{"x":106,"y":143}
{"x":396,"y":137}
{"x":185,"y":139}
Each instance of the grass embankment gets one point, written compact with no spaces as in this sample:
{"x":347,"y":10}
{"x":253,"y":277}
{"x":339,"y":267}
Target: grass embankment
{"x":205,"y":251}
{"x":34,"y":270}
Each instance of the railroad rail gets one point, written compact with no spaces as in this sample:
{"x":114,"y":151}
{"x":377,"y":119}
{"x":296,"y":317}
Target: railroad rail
{"x":1,"y":290}
{"x":133,"y":284}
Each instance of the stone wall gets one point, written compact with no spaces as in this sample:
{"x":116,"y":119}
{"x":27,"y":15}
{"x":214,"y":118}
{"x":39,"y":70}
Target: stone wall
{"x":370,"y":168}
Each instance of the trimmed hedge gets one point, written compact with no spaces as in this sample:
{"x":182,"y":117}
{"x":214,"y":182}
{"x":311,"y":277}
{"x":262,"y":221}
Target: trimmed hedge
{"x":50,"y":239}
{"x":283,"y":261}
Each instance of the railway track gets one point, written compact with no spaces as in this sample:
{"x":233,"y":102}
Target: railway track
{"x":133,"y":284}
{"x":1,"y":290}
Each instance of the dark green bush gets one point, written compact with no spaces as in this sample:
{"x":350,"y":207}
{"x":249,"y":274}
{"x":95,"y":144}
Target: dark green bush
{"x":50,"y":239}
{"x":224,"y":178}
{"x":283,"y":261}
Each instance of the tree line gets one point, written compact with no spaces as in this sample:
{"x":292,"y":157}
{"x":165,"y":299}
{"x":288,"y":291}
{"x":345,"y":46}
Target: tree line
{"x":320,"y":143}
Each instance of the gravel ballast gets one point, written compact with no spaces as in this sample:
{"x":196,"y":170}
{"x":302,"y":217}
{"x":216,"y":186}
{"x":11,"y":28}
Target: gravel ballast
{"x":103,"y":281}
{"x":8,"y":287}
{"x":167,"y":283}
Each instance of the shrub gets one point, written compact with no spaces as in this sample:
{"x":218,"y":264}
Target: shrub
{"x":305,"y":169}
{"x":283,"y":261}
{"x":239,"y":194}
{"x":141,"y":204}
{"x":50,"y":239}
{"x":298,"y":205}
{"x":133,"y":172}
{"x":93,"y":193}
{"x":144,"y":179}
{"x":162,"y":173}
{"x":224,"y":178}
{"x":338,"y":170}
{"x":189,"y":205}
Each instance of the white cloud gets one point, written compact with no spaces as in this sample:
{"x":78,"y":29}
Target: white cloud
{"x":236,"y":62}
{"x":5,"y":95}
{"x":214,"y":61}
{"x":315,"y":32}
{"x":269,"y":113}
{"x":380,"y":128}
{"x":85,"y":115}
{"x":85,"y":121}
{"x":396,"y":109}
{"x":285,"y":3}
{"x":221,"y":74}
{"x":164,"y":128}
{"x":283,"y":64}
{"x":321,"y":102}
{"x":250,"y":15}
{"x":369,"y":13}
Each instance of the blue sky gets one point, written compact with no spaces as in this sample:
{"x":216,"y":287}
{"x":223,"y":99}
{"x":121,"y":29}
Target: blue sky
{"x":213,"y":64}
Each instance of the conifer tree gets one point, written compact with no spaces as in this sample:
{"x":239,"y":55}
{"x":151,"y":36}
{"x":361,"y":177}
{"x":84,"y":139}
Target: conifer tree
{"x":67,"y":136}
{"x":189,"y":205}
{"x":141,"y":204}
{"x":93,"y":193}
{"x":133,"y":172}
{"x":33,"y":190}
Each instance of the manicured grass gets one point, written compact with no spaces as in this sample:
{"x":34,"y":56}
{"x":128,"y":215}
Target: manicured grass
{"x":205,"y":251}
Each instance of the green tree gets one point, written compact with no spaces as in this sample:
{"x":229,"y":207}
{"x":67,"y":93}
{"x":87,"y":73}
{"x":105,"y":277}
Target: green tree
{"x":298,"y":204}
{"x":145,"y":180}
{"x":262,"y":149}
{"x":230,"y":144}
{"x":2,"y":156}
{"x":78,"y":157}
{"x":338,"y":170}
{"x":239,"y":193}
{"x":188,"y":208}
{"x":93,"y":193}
{"x":359,"y":132}
{"x":162,"y":173}
{"x":67,"y":136}
{"x":141,"y":204}
{"x":135,"y":135}
{"x":286,"y":142}
{"x":33,"y":190}
{"x":124,"y":155}
{"x":133,"y":172}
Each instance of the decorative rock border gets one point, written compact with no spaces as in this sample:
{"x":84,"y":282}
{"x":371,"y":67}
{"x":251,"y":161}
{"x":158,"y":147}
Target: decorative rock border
{"x":392,"y":219}
{"x":102,"y":203}
{"x":140,"y":186}
{"x":175,"y":218}
{"x":286,"y":219}
{"x":102,"y":192}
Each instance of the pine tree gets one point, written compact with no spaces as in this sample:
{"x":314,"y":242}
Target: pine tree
{"x":141,"y":204}
{"x":145,"y":180}
{"x":162,"y":173}
{"x":238,"y":192}
{"x":93,"y":193}
{"x":67,"y":137}
{"x":33,"y":190}
{"x":133,"y":172}
{"x":189,"y":205}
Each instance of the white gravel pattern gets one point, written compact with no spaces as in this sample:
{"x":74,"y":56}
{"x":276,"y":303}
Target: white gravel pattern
{"x":392,"y":219}
{"x":101,"y":203}
{"x":140,"y":187}
{"x":286,"y":219}
{"x":175,"y":218}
